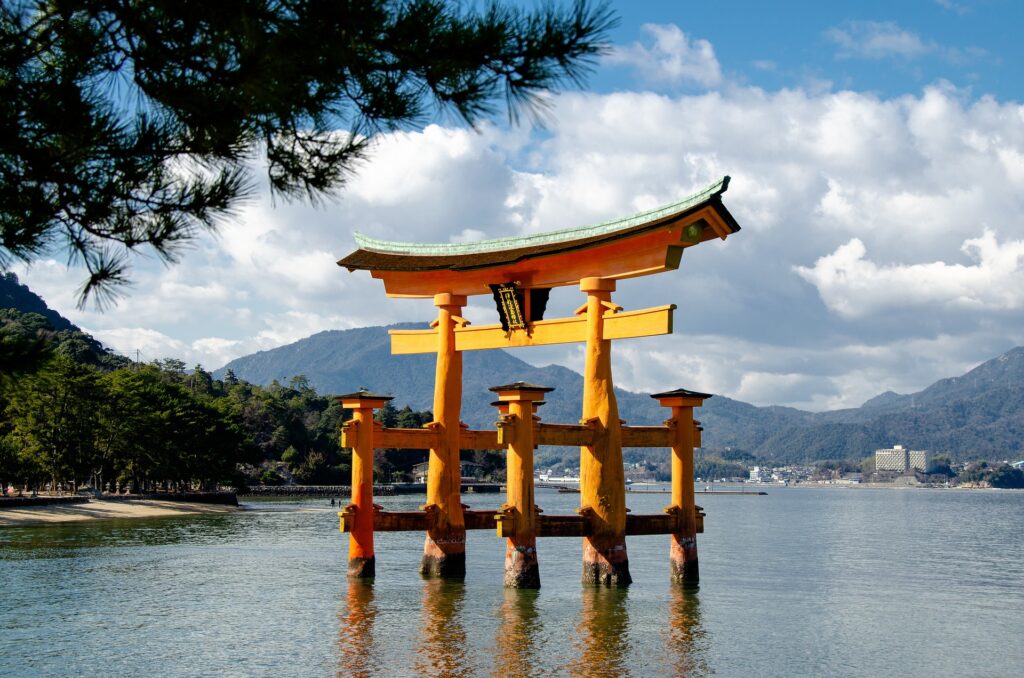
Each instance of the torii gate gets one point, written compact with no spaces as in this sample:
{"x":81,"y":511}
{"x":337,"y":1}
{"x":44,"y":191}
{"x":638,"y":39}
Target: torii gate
{"x":519,"y":272}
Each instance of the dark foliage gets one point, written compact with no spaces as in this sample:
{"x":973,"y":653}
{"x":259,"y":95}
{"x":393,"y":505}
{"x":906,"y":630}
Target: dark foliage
{"x":995,"y":475}
{"x":135,"y":123}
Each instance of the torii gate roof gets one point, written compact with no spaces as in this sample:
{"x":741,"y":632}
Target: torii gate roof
{"x":641,"y":244}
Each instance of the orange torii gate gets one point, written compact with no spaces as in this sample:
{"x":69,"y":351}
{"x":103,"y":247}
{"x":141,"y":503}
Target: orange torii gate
{"x":519,"y":273}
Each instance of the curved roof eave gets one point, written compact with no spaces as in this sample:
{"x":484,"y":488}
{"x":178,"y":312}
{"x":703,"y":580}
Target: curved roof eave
{"x":706,"y":195}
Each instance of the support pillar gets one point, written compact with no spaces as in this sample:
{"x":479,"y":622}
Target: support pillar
{"x":359,"y":513}
{"x":602,"y":479}
{"x":444,"y":550}
{"x":517,"y":519}
{"x":683,"y":562}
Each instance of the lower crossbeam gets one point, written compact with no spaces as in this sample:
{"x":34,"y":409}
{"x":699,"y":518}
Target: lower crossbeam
{"x":547,"y":525}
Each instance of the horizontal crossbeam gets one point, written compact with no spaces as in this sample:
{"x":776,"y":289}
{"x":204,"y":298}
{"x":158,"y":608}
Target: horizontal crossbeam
{"x":647,"y":436}
{"x":564,"y":434}
{"x":547,"y":526}
{"x":422,"y":439}
{"x":544,"y":434}
{"x":648,"y":322}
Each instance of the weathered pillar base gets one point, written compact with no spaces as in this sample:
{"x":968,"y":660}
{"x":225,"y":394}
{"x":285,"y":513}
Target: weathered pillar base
{"x":362,"y":568}
{"x":683,"y":568}
{"x":522,"y":571}
{"x":605,"y":567}
{"x":444,"y":563}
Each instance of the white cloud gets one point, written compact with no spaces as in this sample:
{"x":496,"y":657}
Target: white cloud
{"x":957,"y":7}
{"x":141,"y":342}
{"x":673,"y":57}
{"x":854,"y":286}
{"x":911,"y":178}
{"x":877,"y":40}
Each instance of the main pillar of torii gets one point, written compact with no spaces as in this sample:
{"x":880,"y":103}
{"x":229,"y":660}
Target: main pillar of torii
{"x":519,"y":273}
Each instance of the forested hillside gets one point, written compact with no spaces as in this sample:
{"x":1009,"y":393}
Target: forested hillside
{"x":72,"y":412}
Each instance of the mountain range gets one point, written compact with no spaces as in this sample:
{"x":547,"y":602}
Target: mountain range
{"x":977,"y":415}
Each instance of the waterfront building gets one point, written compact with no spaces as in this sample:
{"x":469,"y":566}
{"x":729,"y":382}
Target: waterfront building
{"x":759,"y":474}
{"x":918,"y":459}
{"x":901,"y":459}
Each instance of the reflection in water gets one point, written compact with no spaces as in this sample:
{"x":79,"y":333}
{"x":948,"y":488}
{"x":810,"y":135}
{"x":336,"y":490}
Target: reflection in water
{"x":684,"y":639}
{"x":603,"y":631}
{"x":517,"y":653}
{"x":442,"y":647}
{"x":355,"y":631}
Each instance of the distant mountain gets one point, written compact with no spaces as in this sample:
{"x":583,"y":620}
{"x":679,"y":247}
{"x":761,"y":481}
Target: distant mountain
{"x":977,"y":415}
{"x":342,"y":361}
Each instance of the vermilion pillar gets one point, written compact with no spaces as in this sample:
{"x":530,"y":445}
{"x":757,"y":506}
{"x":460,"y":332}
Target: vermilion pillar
{"x":361,"y":560}
{"x":518,"y":521}
{"x":602,"y":480}
{"x":444,"y":549}
{"x":683,"y":565}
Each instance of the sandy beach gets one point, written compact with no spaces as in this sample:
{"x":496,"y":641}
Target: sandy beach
{"x":104,"y":510}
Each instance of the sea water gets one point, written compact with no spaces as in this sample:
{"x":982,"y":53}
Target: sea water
{"x":799,"y":582}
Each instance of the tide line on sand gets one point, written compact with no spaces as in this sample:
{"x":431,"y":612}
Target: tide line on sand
{"x":98,"y":509}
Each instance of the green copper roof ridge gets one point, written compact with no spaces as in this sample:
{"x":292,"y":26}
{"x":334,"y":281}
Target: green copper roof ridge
{"x":535,"y":239}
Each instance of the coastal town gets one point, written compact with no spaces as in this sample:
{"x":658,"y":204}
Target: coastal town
{"x":896,"y":466}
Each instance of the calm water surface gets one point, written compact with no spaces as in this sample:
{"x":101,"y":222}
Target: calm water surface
{"x":801,"y":582}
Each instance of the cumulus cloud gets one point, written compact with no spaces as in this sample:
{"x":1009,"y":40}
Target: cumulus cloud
{"x":854,"y":286}
{"x":670,"y":57}
{"x":904,"y":215}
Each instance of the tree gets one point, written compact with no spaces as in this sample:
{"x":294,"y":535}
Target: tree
{"x":24,"y":346}
{"x":1007,"y":477}
{"x":941,"y":464}
{"x":53,"y":421}
{"x":158,"y":430}
{"x":126,"y":124}
{"x":387,"y":415}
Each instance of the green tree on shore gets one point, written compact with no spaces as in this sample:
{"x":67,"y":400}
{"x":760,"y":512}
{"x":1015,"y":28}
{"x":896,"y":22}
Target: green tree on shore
{"x":52,"y":420}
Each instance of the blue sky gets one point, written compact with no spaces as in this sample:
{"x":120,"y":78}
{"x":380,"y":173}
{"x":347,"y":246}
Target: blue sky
{"x":877,"y":156}
{"x":885,"y":47}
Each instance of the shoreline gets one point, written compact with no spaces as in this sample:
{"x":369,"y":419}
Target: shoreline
{"x":103,"y":509}
{"x":887,"y":486}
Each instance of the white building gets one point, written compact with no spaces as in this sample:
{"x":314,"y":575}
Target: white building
{"x":759,"y":474}
{"x":900,"y":459}
{"x":918,"y":459}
